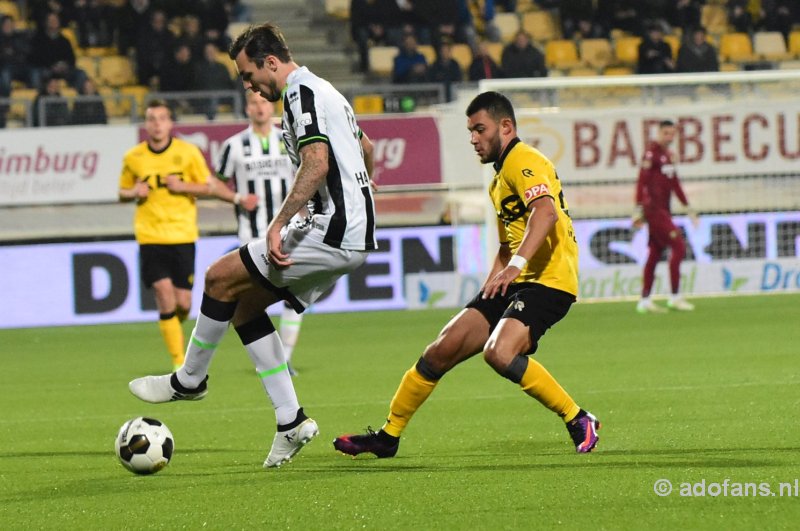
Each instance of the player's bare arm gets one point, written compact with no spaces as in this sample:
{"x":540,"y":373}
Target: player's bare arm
{"x":543,"y":218}
{"x":218,"y":189}
{"x":310,"y":176}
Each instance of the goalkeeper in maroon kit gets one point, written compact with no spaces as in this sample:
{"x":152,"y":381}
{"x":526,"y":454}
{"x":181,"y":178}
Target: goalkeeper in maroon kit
{"x":657,"y":181}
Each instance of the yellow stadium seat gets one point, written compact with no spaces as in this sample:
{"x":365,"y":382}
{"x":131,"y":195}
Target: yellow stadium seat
{"x":626,"y":50}
{"x":10,"y":9}
{"x":137,"y":93}
{"x":508,"y":24}
{"x":20,"y":99}
{"x":99,"y":51}
{"x":674,"y":42}
{"x":736,"y":48}
{"x":714,"y":19}
{"x":116,"y":107}
{"x":381,"y":59}
{"x":618,"y":71}
{"x":794,"y":43}
{"x":88,"y":65}
{"x":462,"y":53}
{"x":582,"y":71}
{"x":561,"y":54}
{"x":224,"y":59}
{"x":338,"y":8}
{"x":368,"y":104}
{"x":69,"y":33}
{"x":428,"y":51}
{"x":770,"y":45}
{"x":541,"y":26}
{"x":495,"y":51}
{"x":790,"y":65}
{"x":116,"y":71}
{"x":596,"y":53}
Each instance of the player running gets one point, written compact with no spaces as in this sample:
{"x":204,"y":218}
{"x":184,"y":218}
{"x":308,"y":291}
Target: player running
{"x":531,"y":287}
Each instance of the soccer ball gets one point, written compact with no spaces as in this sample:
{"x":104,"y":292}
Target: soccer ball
{"x":144,"y":445}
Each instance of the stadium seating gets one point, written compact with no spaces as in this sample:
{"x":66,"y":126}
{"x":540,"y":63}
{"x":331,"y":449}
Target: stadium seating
{"x":770,"y":45}
{"x":19,"y":97}
{"x":88,"y":65}
{"x":227,"y":62}
{"x":541,"y":26}
{"x":626,"y":50}
{"x":596,"y":53}
{"x":495,"y":51}
{"x":736,"y":48}
{"x":116,"y":71}
{"x":714,"y":19}
{"x":561,"y":54}
{"x":508,"y":24}
{"x":618,"y":71}
{"x":138,"y":93}
{"x":9,"y":8}
{"x":463,"y":55}
{"x":674,"y":42}
{"x":368,"y":104}
{"x":338,"y":9}
{"x":794,"y":43}
{"x":429,"y":52}
{"x":381,"y":60}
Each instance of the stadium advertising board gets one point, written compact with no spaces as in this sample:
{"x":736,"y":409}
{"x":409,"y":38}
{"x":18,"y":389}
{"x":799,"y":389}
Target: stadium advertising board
{"x":62,"y":164}
{"x":713,"y":140}
{"x":415,"y":267}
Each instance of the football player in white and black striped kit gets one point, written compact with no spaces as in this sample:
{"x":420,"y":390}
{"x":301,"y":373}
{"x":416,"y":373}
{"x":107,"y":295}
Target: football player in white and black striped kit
{"x":294,"y":262}
{"x":256,"y":162}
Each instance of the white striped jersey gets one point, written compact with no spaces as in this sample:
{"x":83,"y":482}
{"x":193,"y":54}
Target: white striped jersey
{"x":343,"y":208}
{"x":259,"y":166}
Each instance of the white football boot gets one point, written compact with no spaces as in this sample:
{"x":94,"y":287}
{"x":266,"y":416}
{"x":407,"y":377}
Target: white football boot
{"x":680,"y":304}
{"x":287,"y":443}
{"x":165,"y":388}
{"x":648,"y":306}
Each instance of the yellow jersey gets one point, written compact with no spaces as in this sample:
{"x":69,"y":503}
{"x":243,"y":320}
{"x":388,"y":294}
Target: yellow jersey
{"x":164,"y":217}
{"x":524,"y":175}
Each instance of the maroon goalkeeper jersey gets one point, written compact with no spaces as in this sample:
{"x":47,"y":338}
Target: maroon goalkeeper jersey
{"x":657,"y":180}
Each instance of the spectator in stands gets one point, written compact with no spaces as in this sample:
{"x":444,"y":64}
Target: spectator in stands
{"x":210,"y":74}
{"x":366,"y":28}
{"x":487,"y":26}
{"x":89,"y":108}
{"x":685,"y":14}
{"x":214,"y":21}
{"x":696,"y":54}
{"x":410,"y":66}
{"x":779,"y":15}
{"x":132,"y":19}
{"x":153,"y":50}
{"x":573,"y":11}
{"x":624,"y":15}
{"x":178,"y":75}
{"x":445,"y":69}
{"x":483,"y":66}
{"x":14,"y":51}
{"x":39,"y":9}
{"x":94,"y":21}
{"x":52,"y":55}
{"x":192,"y":35}
{"x":522,"y":59}
{"x":655,"y":55}
{"x":238,"y":11}
{"x":739,"y":17}
{"x":442,"y":19}
{"x":50,"y":108}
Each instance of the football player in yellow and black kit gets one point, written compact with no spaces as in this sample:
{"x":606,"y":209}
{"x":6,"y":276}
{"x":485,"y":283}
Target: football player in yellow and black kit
{"x":532,"y":284}
{"x":164,"y":175}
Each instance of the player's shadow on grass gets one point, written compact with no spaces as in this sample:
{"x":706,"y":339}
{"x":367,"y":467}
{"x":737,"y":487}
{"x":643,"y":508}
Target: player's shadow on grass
{"x":105,"y":453}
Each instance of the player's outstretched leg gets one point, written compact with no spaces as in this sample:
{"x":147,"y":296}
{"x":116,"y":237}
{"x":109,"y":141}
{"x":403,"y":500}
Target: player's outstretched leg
{"x":379,"y":443}
{"x":290,"y":439}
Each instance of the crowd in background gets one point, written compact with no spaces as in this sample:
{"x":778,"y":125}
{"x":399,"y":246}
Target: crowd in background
{"x":172,"y":43}
{"x":440,"y":23}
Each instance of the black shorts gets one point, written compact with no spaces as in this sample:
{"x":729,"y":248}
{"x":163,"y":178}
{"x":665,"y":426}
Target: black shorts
{"x":536,"y":306}
{"x":175,"y":262}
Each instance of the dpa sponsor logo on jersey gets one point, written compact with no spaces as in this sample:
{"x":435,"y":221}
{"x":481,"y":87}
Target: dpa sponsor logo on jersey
{"x":536,"y":191}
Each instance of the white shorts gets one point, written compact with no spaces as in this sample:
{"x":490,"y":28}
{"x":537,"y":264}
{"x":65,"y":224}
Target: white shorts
{"x":316,"y":268}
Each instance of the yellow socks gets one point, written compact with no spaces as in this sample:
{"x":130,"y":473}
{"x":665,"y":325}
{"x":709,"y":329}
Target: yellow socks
{"x":413,"y":391}
{"x":172,"y":333}
{"x":541,"y":385}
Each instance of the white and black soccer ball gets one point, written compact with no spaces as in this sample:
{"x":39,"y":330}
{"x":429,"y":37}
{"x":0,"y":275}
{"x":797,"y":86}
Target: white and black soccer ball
{"x":144,"y":445}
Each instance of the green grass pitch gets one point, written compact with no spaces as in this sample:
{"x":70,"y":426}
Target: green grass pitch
{"x":707,"y":396}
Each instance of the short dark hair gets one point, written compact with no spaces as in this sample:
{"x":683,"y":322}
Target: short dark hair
{"x":494,"y":103}
{"x":158,"y":102}
{"x":260,"y":41}
{"x":666,"y":123}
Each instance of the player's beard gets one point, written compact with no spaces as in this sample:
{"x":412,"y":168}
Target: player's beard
{"x":493,"y":153}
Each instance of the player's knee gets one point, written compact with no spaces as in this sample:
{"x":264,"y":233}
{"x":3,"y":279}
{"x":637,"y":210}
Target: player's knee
{"x":678,"y":249}
{"x":494,"y":357}
{"x":215,"y":283}
{"x":438,"y":357}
